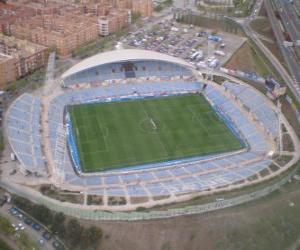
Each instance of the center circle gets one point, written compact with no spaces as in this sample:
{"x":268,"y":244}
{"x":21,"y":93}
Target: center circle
{"x":151,"y":125}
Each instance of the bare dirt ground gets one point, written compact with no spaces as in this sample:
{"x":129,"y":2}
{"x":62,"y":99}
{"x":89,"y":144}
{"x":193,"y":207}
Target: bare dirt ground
{"x":238,"y":61}
{"x":270,"y":223}
{"x":254,"y":61}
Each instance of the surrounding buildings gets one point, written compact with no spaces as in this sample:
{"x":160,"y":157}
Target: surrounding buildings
{"x":64,"y":26}
{"x":145,"y":7}
{"x":64,"y":32}
{"x":68,"y":25}
{"x":19,"y":58}
{"x":10,"y":13}
{"x":114,"y":21}
{"x":7,"y":70}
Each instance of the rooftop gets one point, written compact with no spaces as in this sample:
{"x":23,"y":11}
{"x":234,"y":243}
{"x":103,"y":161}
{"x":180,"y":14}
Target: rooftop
{"x":10,"y":46}
{"x":122,"y":56}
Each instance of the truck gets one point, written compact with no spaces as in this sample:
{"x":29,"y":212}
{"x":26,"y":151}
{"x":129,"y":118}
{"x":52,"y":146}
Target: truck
{"x":220,"y":53}
{"x":199,"y":56}
{"x":214,"y":38}
{"x":214,"y":63}
{"x":194,"y":55}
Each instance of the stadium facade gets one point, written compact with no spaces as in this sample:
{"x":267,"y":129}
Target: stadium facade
{"x":134,"y":74}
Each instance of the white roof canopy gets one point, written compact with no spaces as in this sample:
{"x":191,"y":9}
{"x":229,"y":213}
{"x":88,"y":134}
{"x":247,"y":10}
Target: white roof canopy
{"x":122,"y":56}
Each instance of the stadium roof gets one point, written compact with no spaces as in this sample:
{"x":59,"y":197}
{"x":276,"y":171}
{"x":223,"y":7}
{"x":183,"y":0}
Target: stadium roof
{"x":122,"y":56}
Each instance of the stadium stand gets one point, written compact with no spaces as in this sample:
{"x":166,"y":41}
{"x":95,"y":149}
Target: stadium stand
{"x":23,"y":121}
{"x":125,"y":64}
{"x":163,"y":179}
{"x":137,"y":69}
{"x":257,"y":104}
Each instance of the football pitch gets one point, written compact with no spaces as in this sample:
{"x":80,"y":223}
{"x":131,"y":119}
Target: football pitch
{"x":135,"y":132}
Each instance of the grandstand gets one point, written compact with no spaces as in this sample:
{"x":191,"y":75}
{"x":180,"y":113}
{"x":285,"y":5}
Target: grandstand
{"x":200,"y":174}
{"x":142,"y":75}
{"x":23,"y":132}
{"x":136,"y":64}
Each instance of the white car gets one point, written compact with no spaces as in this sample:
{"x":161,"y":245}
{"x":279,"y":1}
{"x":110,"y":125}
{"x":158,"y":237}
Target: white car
{"x":41,"y":242}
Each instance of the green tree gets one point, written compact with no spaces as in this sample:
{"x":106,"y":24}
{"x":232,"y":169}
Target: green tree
{"x":158,"y":8}
{"x":57,"y":225}
{"x":73,"y":233}
{"x":92,"y":236}
{"x":42,"y":214}
{"x":5,"y":226}
{"x":135,"y":16}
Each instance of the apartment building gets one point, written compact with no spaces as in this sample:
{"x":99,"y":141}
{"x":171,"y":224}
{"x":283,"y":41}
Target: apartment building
{"x":7,"y":70}
{"x":123,"y":4}
{"x":19,"y":58}
{"x":10,"y":13}
{"x":114,"y":21}
{"x":64,"y":32}
{"x":145,"y":7}
{"x":67,"y":25}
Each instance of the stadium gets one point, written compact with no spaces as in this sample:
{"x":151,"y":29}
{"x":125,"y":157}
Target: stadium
{"x":134,"y":128}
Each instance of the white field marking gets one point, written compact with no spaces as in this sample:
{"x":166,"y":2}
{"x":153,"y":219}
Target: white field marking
{"x":153,"y":124}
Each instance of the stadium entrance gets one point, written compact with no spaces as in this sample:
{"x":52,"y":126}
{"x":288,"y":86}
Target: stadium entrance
{"x":128,"y":68}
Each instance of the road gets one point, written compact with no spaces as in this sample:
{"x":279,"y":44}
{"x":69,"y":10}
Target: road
{"x":289,"y":20}
{"x":33,"y":235}
{"x":293,"y":80}
{"x":287,"y":52}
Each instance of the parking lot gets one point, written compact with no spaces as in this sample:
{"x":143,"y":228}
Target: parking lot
{"x":184,"y":41}
{"x":22,"y":222}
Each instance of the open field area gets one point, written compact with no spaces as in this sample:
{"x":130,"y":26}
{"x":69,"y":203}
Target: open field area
{"x":254,"y":63}
{"x":269,"y":223}
{"x":119,"y":134}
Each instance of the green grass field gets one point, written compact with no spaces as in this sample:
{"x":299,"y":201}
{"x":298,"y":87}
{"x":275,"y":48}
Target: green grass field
{"x":121,"y":134}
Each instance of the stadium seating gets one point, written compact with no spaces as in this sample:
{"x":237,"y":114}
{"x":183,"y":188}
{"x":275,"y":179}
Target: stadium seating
{"x":23,"y":132}
{"x":163,"y":179}
{"x":116,"y":71}
{"x":257,"y":104}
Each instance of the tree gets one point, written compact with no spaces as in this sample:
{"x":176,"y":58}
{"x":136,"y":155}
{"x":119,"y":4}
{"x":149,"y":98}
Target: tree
{"x":42,"y":214}
{"x":92,"y":236}
{"x":73,"y":233}
{"x":135,"y":15}
{"x":57,"y":225}
{"x":5,"y":226}
{"x":158,"y":8}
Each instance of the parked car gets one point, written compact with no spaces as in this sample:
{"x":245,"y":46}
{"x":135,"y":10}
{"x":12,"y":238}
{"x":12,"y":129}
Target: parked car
{"x":28,"y":221}
{"x":47,"y":235}
{"x":41,"y":242}
{"x":36,"y":227}
{"x":57,"y":246}
{"x":13,"y":211}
